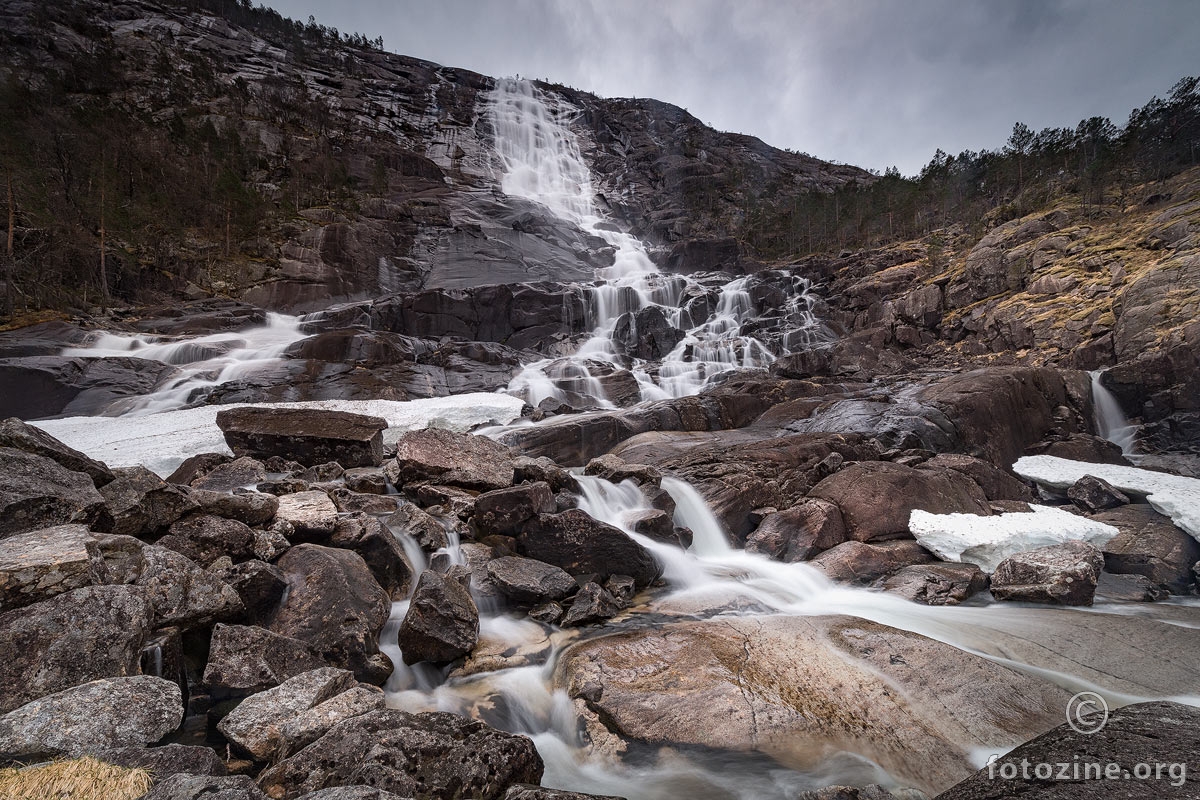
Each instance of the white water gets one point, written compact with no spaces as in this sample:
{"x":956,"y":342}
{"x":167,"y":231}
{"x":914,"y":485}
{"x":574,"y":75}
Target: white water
{"x":203,"y":361}
{"x":1110,"y":419}
{"x":542,"y":161}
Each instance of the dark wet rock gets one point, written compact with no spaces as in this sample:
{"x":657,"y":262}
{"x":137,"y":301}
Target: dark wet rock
{"x":527,"y":792}
{"x":36,"y":492}
{"x":245,"y":659}
{"x":365,"y":480}
{"x":259,"y":585}
{"x":170,"y":759}
{"x":50,"y":385}
{"x":271,"y":543}
{"x":380,"y":550}
{"x":870,"y":792}
{"x":800,"y":532}
{"x":505,"y":510}
{"x":309,"y":436}
{"x":622,"y":588}
{"x":350,"y":793}
{"x":1128,"y":588}
{"x":862,"y":563}
{"x":16,"y":434}
{"x":82,"y":635}
{"x":324,"y":472}
{"x":254,"y":726}
{"x":524,"y":580}
{"x":204,"y":538}
{"x":454,"y":459}
{"x":240,"y":473}
{"x":183,"y":594}
{"x":547,"y":613}
{"x":937,"y":584}
{"x":112,"y":712}
{"x":645,"y":333}
{"x":654,"y":523}
{"x":37,"y":565}
{"x":412,"y":755}
{"x":195,"y":467}
{"x":532,"y":470}
{"x":877,"y":498}
{"x":1092,"y":495}
{"x":996,"y":483}
{"x":593,"y":603}
{"x":1063,"y":574}
{"x":205,"y":787}
{"x":1149,"y":544}
{"x":139,"y":503}
{"x":424,"y":528}
{"x":613,"y":468}
{"x":1133,"y":736}
{"x":442,"y":623}
{"x":336,"y":606}
{"x":577,"y":543}
{"x":1081,"y":447}
{"x":251,"y":508}
{"x":348,"y":502}
{"x":311,"y":513}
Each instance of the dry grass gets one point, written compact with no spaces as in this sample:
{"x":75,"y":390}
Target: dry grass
{"x":77,"y":779}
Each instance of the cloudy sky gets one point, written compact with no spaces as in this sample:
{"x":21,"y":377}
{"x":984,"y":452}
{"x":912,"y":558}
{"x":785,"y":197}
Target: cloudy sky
{"x":869,"y":82}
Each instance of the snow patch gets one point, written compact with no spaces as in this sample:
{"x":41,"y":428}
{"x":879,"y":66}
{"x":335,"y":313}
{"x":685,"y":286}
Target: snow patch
{"x":986,"y":541}
{"x":161,"y":442}
{"x":1173,"y":496}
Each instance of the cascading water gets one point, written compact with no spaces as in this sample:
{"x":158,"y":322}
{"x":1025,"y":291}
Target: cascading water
{"x":1110,"y":419}
{"x":542,"y":161}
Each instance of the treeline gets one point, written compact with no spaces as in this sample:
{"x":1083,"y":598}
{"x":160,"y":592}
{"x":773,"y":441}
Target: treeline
{"x":1096,"y":161}
{"x":270,"y":24}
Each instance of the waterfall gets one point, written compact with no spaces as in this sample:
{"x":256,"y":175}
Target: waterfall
{"x":1109,"y":418}
{"x":542,"y":161}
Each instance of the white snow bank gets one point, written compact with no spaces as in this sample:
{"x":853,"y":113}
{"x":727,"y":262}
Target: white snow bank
{"x":1170,"y":495}
{"x":986,"y":541}
{"x":162,"y":441}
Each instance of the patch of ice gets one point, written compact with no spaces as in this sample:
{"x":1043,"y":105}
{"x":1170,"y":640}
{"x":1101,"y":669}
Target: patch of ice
{"x":1173,"y":496}
{"x":986,"y":541}
{"x":160,"y":442}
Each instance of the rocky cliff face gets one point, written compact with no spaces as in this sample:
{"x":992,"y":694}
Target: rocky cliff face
{"x":400,"y":188}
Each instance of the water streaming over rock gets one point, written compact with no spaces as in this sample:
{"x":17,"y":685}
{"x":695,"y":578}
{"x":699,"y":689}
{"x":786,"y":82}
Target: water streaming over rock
{"x":1110,"y":419}
{"x":632,"y":303}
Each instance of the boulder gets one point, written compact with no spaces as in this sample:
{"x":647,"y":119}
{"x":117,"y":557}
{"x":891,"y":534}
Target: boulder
{"x":786,"y":687}
{"x":204,"y":538}
{"x":576,"y":542}
{"x":254,"y":726}
{"x":936,"y":584}
{"x":205,"y":787}
{"x":1092,"y":494}
{"x":308,"y":726}
{"x":139,"y":503}
{"x":524,"y":580}
{"x":615,"y":469}
{"x":365,"y":480}
{"x":379,"y":548}
{"x":1081,"y":447}
{"x":78,"y":636}
{"x":259,"y":585}
{"x":877,"y":497}
{"x":524,"y":791}
{"x":229,"y":475}
{"x":995,"y":482}
{"x":251,"y":508}
{"x":800,"y":532}
{"x":350,"y":793}
{"x":1128,"y":589}
{"x":36,"y":492}
{"x":308,"y":436}
{"x":547,"y":613}
{"x":349,"y":502}
{"x":645,"y":333}
{"x":1149,"y":544}
{"x":244,"y":659}
{"x":336,"y":606}
{"x":112,"y":712}
{"x":1064,"y":574}
{"x":591,"y":604}
{"x":411,"y":755}
{"x":1161,"y":733}
{"x":37,"y":565}
{"x":439,"y":456}
{"x":442,"y":622}
{"x":505,"y":510}
{"x":860,"y":562}
{"x":410,"y":520}
{"x":17,"y":435}
{"x":532,"y":470}
{"x":311,"y":513}
{"x":170,"y":759}
{"x":182,"y":594}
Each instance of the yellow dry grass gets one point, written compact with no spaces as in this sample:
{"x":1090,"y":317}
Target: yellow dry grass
{"x":76,"y":779}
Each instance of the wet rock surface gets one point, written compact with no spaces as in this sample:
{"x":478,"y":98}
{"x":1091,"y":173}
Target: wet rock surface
{"x":309,"y":437}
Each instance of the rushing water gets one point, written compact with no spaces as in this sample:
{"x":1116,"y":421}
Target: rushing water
{"x":542,"y":161}
{"x":1110,"y":419}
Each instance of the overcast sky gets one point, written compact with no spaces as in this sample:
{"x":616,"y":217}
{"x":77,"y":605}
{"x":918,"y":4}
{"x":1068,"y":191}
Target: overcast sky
{"x":874,"y":83}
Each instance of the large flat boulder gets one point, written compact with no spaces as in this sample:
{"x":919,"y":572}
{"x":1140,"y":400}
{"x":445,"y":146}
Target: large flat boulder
{"x":36,"y":492}
{"x":139,"y":503}
{"x":243,"y":659}
{"x":1064,"y":574}
{"x":307,"y":436}
{"x":78,"y":636}
{"x":96,"y":716}
{"x":411,"y":755}
{"x":1149,"y":544}
{"x":577,"y":543}
{"x":37,"y":565}
{"x":440,"y":456}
